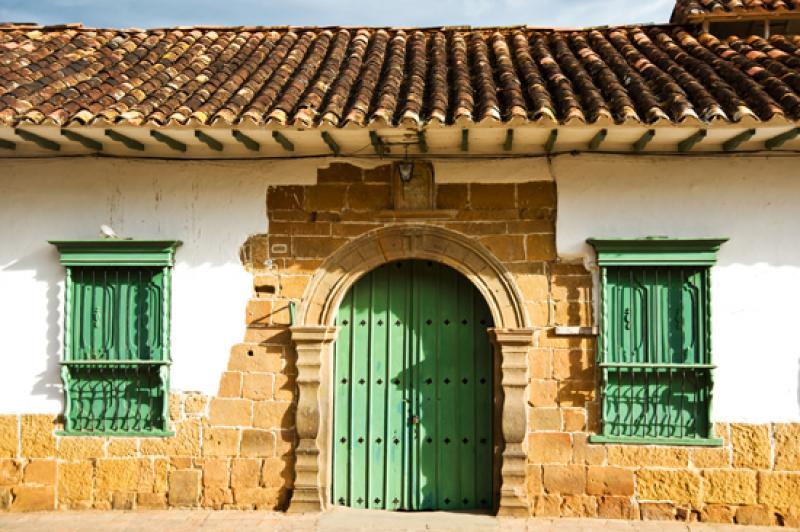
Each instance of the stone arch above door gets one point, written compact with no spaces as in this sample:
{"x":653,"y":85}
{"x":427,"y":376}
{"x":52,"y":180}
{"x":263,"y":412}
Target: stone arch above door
{"x":342,"y":269}
{"x":314,"y":333}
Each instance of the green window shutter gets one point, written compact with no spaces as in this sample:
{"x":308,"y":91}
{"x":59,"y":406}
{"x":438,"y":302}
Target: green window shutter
{"x":655,"y":350}
{"x":116,"y":343}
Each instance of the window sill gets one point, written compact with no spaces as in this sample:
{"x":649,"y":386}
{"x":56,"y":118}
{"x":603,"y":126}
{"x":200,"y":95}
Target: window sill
{"x":132,"y":434}
{"x":688,"y":442}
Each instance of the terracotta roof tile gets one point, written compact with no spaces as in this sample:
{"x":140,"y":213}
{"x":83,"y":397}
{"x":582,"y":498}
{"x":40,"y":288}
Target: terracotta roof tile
{"x":694,"y":10}
{"x":354,"y":77}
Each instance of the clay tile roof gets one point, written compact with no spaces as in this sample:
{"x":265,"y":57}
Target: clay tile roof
{"x":696,"y":10}
{"x":355,"y":77}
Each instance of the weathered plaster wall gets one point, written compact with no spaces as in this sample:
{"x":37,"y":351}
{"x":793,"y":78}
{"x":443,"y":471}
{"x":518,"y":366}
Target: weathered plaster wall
{"x":756,"y":285}
{"x":212,"y":207}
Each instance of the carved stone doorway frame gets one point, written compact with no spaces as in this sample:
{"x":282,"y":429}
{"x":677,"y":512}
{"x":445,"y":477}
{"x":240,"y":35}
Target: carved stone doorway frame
{"x":314,"y":335}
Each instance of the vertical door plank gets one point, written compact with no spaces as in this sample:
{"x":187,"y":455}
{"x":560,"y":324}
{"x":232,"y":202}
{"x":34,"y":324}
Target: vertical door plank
{"x":469,"y":402}
{"x":484,"y":391}
{"x":376,"y":438}
{"x":426,"y":374}
{"x":399,"y":298}
{"x":449,"y":409}
{"x":359,"y":472}
{"x":341,"y":404}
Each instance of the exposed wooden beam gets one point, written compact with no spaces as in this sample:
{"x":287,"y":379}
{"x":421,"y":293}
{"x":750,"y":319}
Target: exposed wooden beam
{"x":465,"y":139}
{"x":508,"y":145}
{"x":169,"y":141}
{"x":211,"y":142}
{"x":423,"y":142}
{"x":644,"y":140}
{"x":377,"y":143}
{"x":328,"y":138}
{"x":780,"y":140}
{"x":36,"y":139}
{"x":281,"y":139}
{"x":551,"y":141}
{"x":8,"y":145}
{"x":248,"y":142}
{"x":82,"y":139}
{"x":737,"y":141}
{"x":598,"y":139}
{"x":129,"y":143}
{"x":689,"y":143}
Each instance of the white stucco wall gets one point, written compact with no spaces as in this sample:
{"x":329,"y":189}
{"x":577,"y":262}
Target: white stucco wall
{"x":755,"y":287}
{"x":212,"y":207}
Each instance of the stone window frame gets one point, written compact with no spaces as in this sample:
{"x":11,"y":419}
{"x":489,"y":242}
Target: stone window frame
{"x":314,"y":333}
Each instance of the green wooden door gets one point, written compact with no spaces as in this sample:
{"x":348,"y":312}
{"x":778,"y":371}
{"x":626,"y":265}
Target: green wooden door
{"x":413,"y":392}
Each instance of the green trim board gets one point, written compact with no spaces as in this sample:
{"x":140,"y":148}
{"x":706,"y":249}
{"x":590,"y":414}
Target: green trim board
{"x":654,"y":348}
{"x":116,"y":360}
{"x":120,"y":434}
{"x":688,"y":442}
{"x":117,"y":252}
{"x":659,"y":251}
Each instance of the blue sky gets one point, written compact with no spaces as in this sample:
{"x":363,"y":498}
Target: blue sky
{"x":155,"y":13}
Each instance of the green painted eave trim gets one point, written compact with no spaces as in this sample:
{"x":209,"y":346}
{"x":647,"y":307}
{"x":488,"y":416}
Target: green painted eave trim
{"x":115,"y":363}
{"x":682,"y":442}
{"x":656,"y":251}
{"x":117,"y":252}
{"x":123,"y":434}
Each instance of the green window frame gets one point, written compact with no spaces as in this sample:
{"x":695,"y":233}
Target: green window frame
{"x":654,"y":349}
{"x":116,"y":359}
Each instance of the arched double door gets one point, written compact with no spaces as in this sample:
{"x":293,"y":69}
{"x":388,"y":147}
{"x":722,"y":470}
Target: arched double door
{"x":413,"y":388}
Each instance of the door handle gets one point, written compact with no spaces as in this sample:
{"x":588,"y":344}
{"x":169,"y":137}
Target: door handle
{"x":415,"y":420}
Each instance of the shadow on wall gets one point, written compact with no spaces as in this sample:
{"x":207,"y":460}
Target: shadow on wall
{"x":575,"y":369}
{"x":750,"y":200}
{"x":213,"y":209}
{"x":48,"y":274}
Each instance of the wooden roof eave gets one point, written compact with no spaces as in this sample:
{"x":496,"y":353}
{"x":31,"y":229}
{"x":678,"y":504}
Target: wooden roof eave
{"x":484,"y":138}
